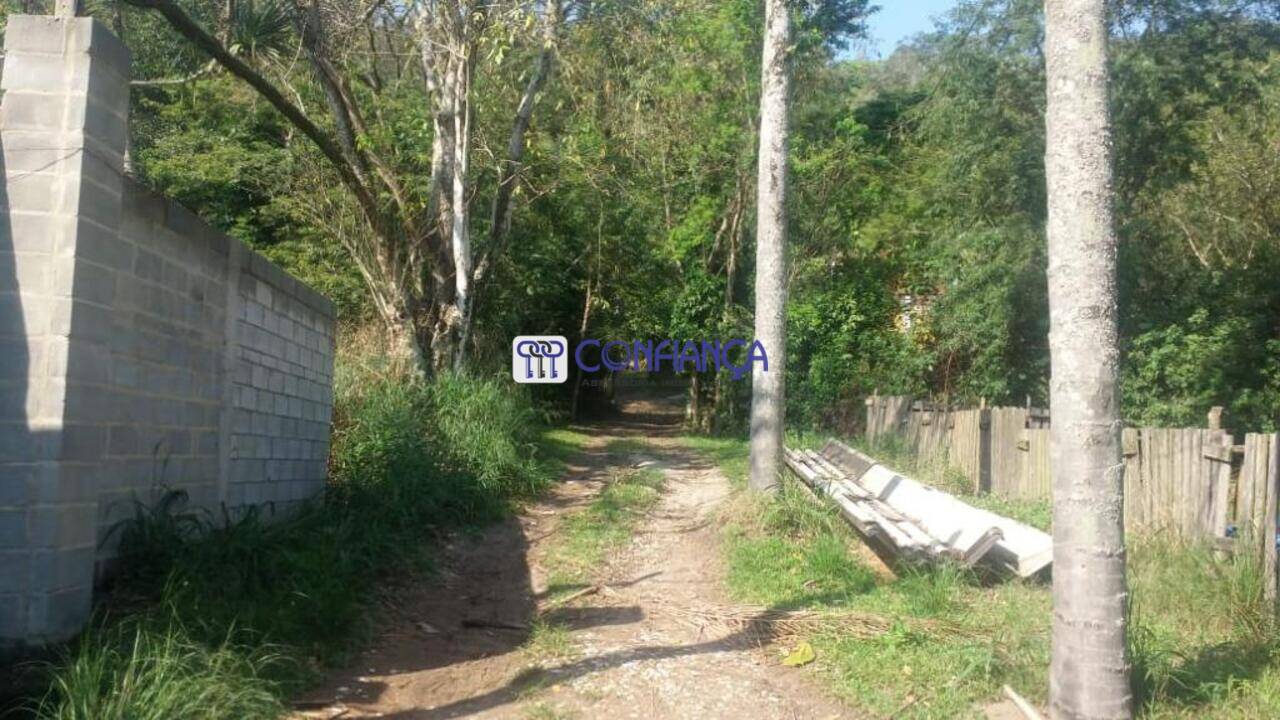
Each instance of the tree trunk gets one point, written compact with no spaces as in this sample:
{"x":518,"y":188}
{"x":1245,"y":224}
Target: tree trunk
{"x":1089,"y":673}
{"x":721,"y":407}
{"x":582,"y":333}
{"x":768,"y":398}
{"x":461,"y":230}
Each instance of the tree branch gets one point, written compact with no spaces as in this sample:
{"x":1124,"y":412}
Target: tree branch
{"x":500,"y":216}
{"x":196,"y":35}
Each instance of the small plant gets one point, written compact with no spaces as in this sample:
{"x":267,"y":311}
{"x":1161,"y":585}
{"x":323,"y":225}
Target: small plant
{"x":550,"y":641}
{"x":544,"y":711}
{"x":134,"y":671}
{"x":588,"y":536}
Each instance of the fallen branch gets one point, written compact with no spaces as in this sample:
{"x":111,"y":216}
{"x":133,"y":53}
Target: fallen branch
{"x":558,"y":602}
{"x":1023,"y":706}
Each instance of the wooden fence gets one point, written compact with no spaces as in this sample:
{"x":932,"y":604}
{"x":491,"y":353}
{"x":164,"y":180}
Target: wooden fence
{"x":1195,"y":481}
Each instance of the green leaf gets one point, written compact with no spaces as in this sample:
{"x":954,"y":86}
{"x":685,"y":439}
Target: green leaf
{"x":803,"y":654}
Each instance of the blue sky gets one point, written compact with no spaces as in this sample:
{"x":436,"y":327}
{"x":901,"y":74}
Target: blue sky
{"x":899,"y":20}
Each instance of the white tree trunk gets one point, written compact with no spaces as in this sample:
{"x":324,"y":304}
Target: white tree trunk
{"x":1089,"y":674}
{"x":461,"y":229}
{"x":768,"y":397}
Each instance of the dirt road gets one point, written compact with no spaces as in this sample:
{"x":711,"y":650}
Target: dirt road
{"x":649,"y":645}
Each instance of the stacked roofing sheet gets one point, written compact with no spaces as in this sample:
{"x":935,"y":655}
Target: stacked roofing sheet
{"x":915,"y":520}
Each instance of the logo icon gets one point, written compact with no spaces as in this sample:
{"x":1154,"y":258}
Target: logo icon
{"x":540,"y":359}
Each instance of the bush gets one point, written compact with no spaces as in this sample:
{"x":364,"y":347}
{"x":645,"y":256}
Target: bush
{"x":229,"y":613}
{"x":136,"y":672}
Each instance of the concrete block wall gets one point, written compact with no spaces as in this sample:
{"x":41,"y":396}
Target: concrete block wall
{"x":282,"y":395}
{"x":140,"y":350}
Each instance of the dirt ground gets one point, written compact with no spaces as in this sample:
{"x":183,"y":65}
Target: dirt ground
{"x":650,"y":644}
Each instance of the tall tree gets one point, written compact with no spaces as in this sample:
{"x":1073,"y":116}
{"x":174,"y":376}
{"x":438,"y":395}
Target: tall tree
{"x":768,"y":387}
{"x":414,"y":247}
{"x":1089,"y":673}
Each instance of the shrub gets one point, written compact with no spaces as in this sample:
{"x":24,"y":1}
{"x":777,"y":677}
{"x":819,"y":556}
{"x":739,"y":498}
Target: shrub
{"x":234,"y":608}
{"x":138,"y":672}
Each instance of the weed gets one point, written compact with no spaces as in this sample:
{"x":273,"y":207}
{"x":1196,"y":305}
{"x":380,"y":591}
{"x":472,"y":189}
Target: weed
{"x":545,"y":711}
{"x":586,"y":537}
{"x":550,"y":641}
{"x":134,"y":671}
{"x":236,"y":610}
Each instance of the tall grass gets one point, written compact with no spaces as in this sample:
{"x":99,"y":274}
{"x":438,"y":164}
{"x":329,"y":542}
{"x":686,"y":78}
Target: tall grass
{"x":1204,"y":639}
{"x":220,"y":615}
{"x":160,"y":673}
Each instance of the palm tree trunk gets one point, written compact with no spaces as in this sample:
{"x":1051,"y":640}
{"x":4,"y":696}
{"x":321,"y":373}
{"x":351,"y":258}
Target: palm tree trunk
{"x":1089,"y":673}
{"x":768,"y":398}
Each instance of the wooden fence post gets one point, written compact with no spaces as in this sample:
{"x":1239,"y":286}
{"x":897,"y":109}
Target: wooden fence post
{"x":984,"y":450}
{"x":1272,"y":444}
{"x":1256,"y":496}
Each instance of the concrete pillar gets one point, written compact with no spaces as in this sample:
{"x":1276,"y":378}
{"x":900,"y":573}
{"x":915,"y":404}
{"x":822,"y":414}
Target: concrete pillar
{"x":63,"y":122}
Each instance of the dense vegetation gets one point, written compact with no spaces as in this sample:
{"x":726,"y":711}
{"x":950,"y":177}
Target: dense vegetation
{"x":214,"y":619}
{"x":918,"y":238}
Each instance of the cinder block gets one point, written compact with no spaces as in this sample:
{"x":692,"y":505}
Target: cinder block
{"x":13,"y":627}
{"x":207,"y":443}
{"x":36,"y":33}
{"x":34,"y":192}
{"x":77,"y":526}
{"x":93,"y":202}
{"x":13,"y":528}
{"x":41,"y":72}
{"x":88,"y":363}
{"x":57,"y":570}
{"x":95,"y":283}
{"x":108,"y":51}
{"x":42,"y":526}
{"x":124,"y":440}
{"x":25,"y":110}
{"x":175,"y":278}
{"x":83,"y":442}
{"x":64,"y":612}
{"x":104,"y":246}
{"x":178,"y":442}
{"x":14,"y":571}
{"x":88,"y":322}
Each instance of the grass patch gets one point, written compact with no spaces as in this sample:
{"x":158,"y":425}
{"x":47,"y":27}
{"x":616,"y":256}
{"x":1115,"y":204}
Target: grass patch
{"x":791,"y":552}
{"x":550,"y":641}
{"x":1203,"y":638}
{"x":224,"y":616}
{"x":1204,"y":641}
{"x":585,"y":538}
{"x":144,"y":671}
{"x":546,"y":711}
{"x":729,"y":454}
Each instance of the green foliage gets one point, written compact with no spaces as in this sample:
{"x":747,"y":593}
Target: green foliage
{"x":953,"y":211}
{"x":586,"y":537}
{"x":1175,"y":374}
{"x":229,"y":614}
{"x":144,"y":671}
{"x":1204,"y":639}
{"x":918,"y":204}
